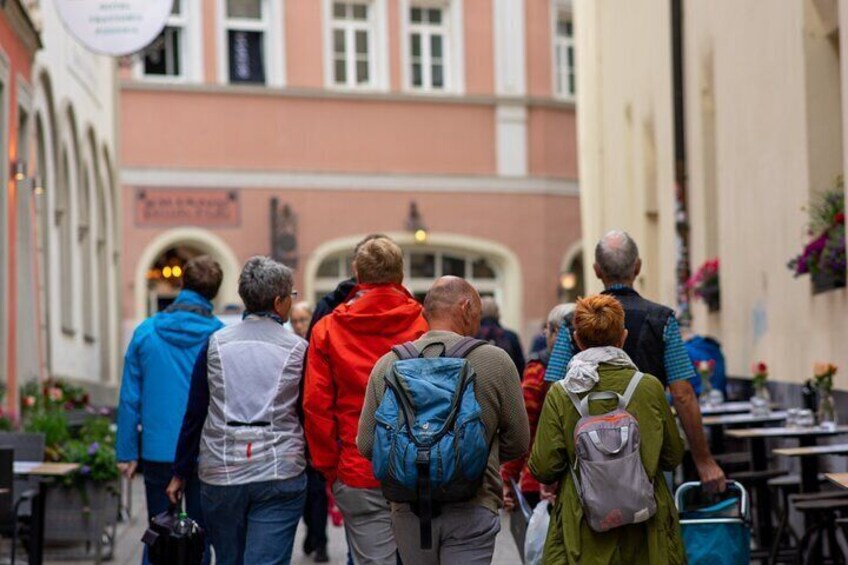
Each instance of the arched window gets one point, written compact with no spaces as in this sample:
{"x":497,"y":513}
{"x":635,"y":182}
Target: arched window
{"x":86,"y":252}
{"x":572,"y":274}
{"x":44,"y":166}
{"x":422,"y":266}
{"x":104,"y":278}
{"x":63,"y":223}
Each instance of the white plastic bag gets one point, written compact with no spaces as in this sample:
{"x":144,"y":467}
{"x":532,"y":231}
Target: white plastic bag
{"x":537,"y":532}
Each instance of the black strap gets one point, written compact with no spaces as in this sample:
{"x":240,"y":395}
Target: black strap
{"x":425,"y":498}
{"x":463,"y":347}
{"x":406,"y":351}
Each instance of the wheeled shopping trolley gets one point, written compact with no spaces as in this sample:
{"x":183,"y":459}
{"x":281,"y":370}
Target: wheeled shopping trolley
{"x":716,"y":528}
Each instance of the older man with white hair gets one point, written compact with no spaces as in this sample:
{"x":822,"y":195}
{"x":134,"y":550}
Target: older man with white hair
{"x":653,"y":343}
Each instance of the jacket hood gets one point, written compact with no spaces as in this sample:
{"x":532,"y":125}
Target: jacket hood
{"x":183,"y":324}
{"x":378,"y":310}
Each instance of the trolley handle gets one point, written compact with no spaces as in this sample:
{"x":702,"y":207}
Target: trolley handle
{"x":743,"y":494}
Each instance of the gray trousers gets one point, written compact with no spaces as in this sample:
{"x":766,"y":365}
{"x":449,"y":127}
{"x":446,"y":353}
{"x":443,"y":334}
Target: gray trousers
{"x":368,"y":524}
{"x":463,"y":534}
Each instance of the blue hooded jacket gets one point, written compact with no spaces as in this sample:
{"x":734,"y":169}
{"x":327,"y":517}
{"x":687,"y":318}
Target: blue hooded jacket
{"x":703,"y":348}
{"x":157,"y":375}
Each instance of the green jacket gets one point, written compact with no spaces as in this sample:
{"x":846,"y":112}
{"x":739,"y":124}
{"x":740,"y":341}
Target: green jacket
{"x":570,"y":539}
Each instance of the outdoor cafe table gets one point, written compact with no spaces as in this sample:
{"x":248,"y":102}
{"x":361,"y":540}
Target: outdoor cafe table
{"x":809,"y":461}
{"x":807,"y":437}
{"x":839,"y":479}
{"x":717,"y":424}
{"x":733,"y":407}
{"x":44,"y":472}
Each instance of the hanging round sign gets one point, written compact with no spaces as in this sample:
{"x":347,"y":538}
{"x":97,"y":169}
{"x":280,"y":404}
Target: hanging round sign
{"x":114,"y":27}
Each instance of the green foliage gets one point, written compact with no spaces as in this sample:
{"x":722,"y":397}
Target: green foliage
{"x":92,"y":446}
{"x":53,"y":424}
{"x":826,"y":206}
{"x":97,"y":461}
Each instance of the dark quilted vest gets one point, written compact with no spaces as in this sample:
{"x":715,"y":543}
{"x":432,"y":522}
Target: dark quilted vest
{"x":645,"y":322}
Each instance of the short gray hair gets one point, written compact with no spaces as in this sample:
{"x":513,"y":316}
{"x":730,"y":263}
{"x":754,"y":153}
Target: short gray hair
{"x":489,"y":308}
{"x":557,"y":315}
{"x":261,"y":281}
{"x":616,"y":255}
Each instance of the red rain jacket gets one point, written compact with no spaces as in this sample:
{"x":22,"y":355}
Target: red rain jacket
{"x":343,"y":350}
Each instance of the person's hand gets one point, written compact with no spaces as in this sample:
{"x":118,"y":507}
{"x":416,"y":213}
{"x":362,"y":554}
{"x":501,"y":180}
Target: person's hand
{"x":712,"y":477}
{"x":128,"y":468}
{"x":175,"y":490}
{"x":549,"y":492}
{"x":508,"y":497}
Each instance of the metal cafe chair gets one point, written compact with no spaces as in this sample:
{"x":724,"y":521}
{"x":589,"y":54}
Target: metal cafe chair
{"x":12,"y":524}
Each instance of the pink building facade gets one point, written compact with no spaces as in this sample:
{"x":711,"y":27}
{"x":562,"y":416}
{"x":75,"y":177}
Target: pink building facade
{"x":295,"y":127}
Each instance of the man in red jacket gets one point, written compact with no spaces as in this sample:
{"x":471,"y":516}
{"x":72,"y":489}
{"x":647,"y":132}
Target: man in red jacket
{"x":344,"y":346}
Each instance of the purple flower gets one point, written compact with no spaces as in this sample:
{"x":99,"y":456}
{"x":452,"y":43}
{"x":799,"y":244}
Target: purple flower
{"x":104,"y":411}
{"x":85,"y":470}
{"x":93,"y":448}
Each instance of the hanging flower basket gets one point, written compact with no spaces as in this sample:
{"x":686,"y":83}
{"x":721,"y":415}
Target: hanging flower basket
{"x":823,"y":257}
{"x":704,"y":284}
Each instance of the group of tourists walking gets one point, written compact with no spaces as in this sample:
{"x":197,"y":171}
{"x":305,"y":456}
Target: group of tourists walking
{"x":418,"y":426}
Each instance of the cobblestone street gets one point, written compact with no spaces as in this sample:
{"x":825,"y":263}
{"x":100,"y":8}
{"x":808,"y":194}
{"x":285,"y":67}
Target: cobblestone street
{"x":128,"y":549}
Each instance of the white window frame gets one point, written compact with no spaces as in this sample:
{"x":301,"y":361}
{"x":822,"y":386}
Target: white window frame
{"x":453,"y":49}
{"x":378,"y":48}
{"x":190,"y":20}
{"x":562,"y":9}
{"x":271,"y":25}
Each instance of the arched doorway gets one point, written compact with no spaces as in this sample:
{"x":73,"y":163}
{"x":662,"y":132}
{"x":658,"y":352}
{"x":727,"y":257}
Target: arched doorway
{"x":164,"y":277}
{"x":174,"y":248}
{"x":572,"y":276}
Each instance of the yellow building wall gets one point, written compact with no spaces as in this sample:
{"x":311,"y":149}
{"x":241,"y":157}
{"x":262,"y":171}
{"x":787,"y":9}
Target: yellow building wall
{"x":625,"y":135}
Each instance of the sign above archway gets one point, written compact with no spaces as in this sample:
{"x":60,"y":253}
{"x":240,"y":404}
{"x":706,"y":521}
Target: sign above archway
{"x":111,"y":27}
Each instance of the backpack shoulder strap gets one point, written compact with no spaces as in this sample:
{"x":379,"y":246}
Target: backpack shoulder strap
{"x":406,"y":351}
{"x":463,"y":347}
{"x":631,"y":387}
{"x":575,"y":400}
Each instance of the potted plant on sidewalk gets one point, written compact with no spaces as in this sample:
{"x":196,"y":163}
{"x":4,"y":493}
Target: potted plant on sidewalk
{"x":83,"y":506}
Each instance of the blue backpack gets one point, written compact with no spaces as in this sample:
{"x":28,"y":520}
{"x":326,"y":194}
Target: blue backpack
{"x":430,"y":444}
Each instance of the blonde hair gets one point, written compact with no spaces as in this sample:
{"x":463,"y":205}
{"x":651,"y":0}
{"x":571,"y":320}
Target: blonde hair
{"x":379,"y":261}
{"x":598,"y":321}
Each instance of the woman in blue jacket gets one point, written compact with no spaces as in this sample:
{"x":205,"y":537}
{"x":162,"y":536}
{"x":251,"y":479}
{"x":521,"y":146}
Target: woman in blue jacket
{"x":155,"y":385}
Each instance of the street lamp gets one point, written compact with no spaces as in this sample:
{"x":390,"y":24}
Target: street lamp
{"x":415,"y":224}
{"x":19,"y":170}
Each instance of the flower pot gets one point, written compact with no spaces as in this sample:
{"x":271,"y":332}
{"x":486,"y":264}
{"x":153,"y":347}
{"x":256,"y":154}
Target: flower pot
{"x":823,"y":282}
{"x":81,"y":514}
{"x":712,"y":298}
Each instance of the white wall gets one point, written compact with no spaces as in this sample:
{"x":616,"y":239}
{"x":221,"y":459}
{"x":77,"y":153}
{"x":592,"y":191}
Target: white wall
{"x":70,"y":80}
{"x":625,"y":132}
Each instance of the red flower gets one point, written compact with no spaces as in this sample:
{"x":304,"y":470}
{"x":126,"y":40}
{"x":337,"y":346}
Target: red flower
{"x":839,"y":218}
